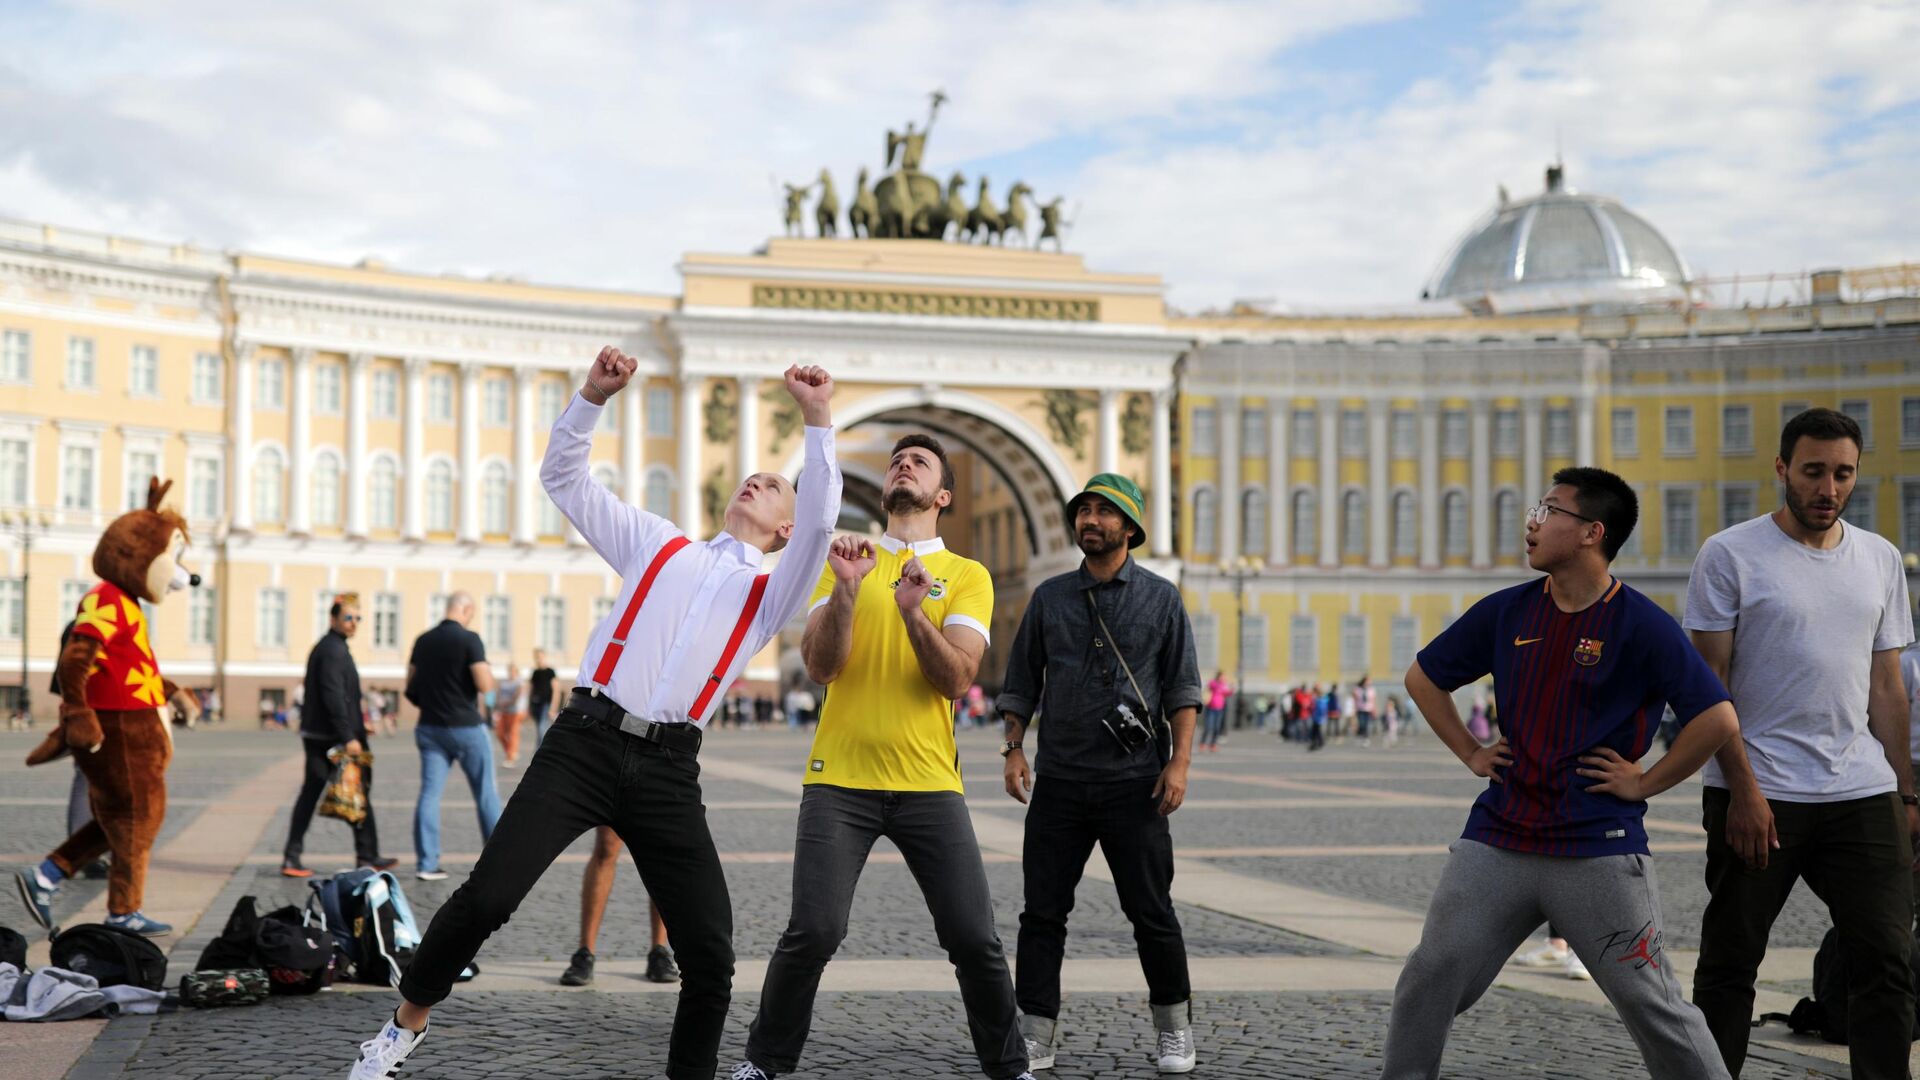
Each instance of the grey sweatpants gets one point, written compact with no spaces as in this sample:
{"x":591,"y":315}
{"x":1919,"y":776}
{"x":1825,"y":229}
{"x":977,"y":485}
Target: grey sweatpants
{"x":1490,"y":899}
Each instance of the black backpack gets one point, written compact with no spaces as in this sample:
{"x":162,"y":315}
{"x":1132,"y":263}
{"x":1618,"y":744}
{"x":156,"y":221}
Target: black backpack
{"x":13,"y":949}
{"x":112,"y":956}
{"x":296,"y":958}
{"x":1825,"y":1013}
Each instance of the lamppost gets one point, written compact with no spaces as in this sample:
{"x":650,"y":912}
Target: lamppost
{"x":1240,"y":570}
{"x":24,"y":525}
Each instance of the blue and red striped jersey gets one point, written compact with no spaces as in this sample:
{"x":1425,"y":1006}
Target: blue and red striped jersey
{"x":1566,"y":684}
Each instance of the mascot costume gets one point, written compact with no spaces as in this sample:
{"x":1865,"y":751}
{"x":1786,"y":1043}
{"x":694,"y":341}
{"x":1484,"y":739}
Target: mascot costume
{"x":113,"y":714}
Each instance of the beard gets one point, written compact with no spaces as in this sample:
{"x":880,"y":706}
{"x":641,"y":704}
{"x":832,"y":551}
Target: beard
{"x":902,"y":499}
{"x":1801,"y":509}
{"x":1097,"y":542}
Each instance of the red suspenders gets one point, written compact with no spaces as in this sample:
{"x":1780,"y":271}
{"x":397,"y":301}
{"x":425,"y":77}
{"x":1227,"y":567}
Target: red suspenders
{"x":618,"y":643}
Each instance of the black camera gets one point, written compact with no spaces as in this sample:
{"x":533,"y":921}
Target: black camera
{"x":1127,"y":729}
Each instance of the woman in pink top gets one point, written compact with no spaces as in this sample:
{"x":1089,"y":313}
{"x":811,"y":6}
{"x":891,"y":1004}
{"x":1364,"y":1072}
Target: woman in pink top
{"x":1214,"y":718}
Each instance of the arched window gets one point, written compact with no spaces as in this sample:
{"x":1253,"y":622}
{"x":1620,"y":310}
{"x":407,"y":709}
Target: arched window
{"x":1306,"y":529}
{"x":1353,"y":523}
{"x":1453,"y":531}
{"x":1406,"y":519}
{"x":326,"y":489}
{"x":1253,"y":522}
{"x":659,"y":493}
{"x":383,"y":484}
{"x":1509,"y":536}
{"x":1206,"y":522}
{"x":440,"y":497}
{"x":269,"y":485}
{"x":495,"y":509}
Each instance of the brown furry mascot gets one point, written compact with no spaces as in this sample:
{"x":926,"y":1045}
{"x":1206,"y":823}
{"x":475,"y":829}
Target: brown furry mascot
{"x":113,"y":714}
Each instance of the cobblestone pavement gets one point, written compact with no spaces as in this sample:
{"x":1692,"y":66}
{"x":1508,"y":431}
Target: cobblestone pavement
{"x":1349,"y":824}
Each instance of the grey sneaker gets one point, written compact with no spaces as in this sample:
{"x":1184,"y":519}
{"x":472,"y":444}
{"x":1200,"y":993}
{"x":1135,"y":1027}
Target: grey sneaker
{"x":579,"y":970}
{"x":1173,"y":1024}
{"x":1040,"y":1034}
{"x":660,"y":965}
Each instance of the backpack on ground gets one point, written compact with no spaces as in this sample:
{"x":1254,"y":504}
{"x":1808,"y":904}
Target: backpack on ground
{"x":371,"y":922}
{"x":13,"y":948}
{"x":297,"y":958}
{"x":212,"y":989}
{"x":113,"y":957}
{"x":1825,"y":1013}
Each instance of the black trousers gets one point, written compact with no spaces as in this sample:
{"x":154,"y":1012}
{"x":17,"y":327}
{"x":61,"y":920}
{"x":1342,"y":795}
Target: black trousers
{"x":588,"y":773}
{"x":366,"y":838}
{"x":1065,"y":819}
{"x":1856,"y":857}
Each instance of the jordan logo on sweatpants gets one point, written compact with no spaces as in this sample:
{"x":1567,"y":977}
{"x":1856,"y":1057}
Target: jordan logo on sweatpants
{"x":1644,"y":952}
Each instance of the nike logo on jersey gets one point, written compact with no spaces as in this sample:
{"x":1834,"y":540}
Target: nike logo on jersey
{"x":1519,"y":641}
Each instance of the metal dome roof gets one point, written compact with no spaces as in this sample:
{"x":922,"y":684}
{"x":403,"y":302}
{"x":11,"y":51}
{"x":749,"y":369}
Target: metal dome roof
{"x":1561,"y":249}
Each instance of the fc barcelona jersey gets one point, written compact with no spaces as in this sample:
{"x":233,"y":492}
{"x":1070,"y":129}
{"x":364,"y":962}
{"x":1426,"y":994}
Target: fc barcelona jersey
{"x":1567,"y":684}
{"x":125,"y":675}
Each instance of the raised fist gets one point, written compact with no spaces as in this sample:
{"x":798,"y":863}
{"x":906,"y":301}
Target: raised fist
{"x":609,"y":374}
{"x":811,"y":388}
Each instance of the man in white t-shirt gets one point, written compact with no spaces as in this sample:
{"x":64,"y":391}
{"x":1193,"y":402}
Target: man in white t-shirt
{"x":1804,"y":617}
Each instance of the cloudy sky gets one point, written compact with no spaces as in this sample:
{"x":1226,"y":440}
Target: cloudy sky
{"x":1318,"y":153}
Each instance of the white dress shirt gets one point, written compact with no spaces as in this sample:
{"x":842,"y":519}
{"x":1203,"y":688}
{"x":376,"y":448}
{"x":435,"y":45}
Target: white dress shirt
{"x":696,"y":599}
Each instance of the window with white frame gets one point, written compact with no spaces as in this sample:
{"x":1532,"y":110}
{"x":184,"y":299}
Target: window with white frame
{"x":383,"y":494}
{"x":1206,"y":641}
{"x":602,"y":607}
{"x":1405,"y":434}
{"x":15,"y":469}
{"x":497,"y":626}
{"x":1626,"y":432}
{"x":386,"y":620}
{"x":1253,"y":522}
{"x":1678,"y":431}
{"x":209,"y":378}
{"x":329,"y":389}
{"x":80,"y":363}
{"x":436,"y":608}
{"x":1303,"y":639}
{"x":1353,"y":523}
{"x":1206,"y":522}
{"x":326,"y":489}
{"x":13,"y":609}
{"x":269,"y":384}
{"x":1509,"y":535}
{"x":495,"y":498}
{"x":1454,"y":433}
{"x":1206,"y":431}
{"x":1253,"y":643}
{"x":1306,"y":530}
{"x":1506,"y":433}
{"x":1406,"y":518}
{"x":72,"y":591}
{"x":1861,"y":505}
{"x":1253,"y":433}
{"x":203,"y":487}
{"x":1304,"y":433}
{"x":659,"y":412}
{"x":1353,"y":433}
{"x":1736,"y":429}
{"x":553,"y":401}
{"x":1453,"y":518}
{"x":78,"y":471}
{"x":1403,"y":642}
{"x":1559,"y":424}
{"x":1910,"y":515}
{"x":385,"y":392}
{"x":16,"y":356}
{"x":440,"y":398}
{"x":143,"y":371}
{"x":1353,"y":644}
{"x":659,"y":494}
{"x":143,"y":464}
{"x":322,"y":612}
{"x":553,"y":623}
{"x":496,"y":396}
{"x":1737,"y":504}
{"x":270,"y":628}
{"x":1909,"y":422}
{"x":1678,"y":528}
{"x":1631,"y":548}
{"x":269,"y":485}
{"x":1791,"y":409}
{"x":440,"y":496}
{"x":1861,"y":412}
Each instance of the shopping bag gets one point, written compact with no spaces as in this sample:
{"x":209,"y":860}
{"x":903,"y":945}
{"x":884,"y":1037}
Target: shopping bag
{"x":346,"y":796}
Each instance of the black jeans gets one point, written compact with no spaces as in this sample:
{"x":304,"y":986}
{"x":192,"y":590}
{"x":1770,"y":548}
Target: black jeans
{"x":366,"y":838}
{"x":587,"y":773}
{"x":1856,"y":858}
{"x":1064,"y":820}
{"x":933,"y":832}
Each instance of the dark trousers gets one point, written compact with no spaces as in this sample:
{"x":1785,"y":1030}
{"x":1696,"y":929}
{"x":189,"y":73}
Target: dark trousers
{"x":366,"y":838}
{"x":585,"y":774}
{"x":1064,"y":820}
{"x":1856,"y":858}
{"x":933,"y":832}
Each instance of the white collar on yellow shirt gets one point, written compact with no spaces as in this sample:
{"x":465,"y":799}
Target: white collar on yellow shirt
{"x":920,"y":547}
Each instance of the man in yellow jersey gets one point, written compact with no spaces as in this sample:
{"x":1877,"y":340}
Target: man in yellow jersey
{"x":895,"y":634}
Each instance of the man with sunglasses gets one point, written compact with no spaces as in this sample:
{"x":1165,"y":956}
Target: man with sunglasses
{"x":332,"y":718}
{"x":1582,"y":668}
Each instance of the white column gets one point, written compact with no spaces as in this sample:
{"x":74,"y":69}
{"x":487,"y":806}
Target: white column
{"x":526,"y":479}
{"x":1480,"y":482}
{"x":1160,"y":489}
{"x":749,"y":443}
{"x":1429,"y":484}
{"x":359,"y":404}
{"x":1108,"y":458}
{"x":299,"y":498}
{"x":576,"y":379}
{"x":1228,"y":533}
{"x":1329,"y":410}
{"x":413,"y":476}
{"x":689,"y":437}
{"x":1377,"y":483}
{"x":1532,"y":460}
{"x":469,"y":517}
{"x":633,"y":442}
{"x":1279,"y":484}
{"x":1582,"y":428}
{"x":240,"y":453}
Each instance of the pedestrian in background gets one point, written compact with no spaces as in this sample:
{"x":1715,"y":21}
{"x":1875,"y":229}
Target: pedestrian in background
{"x":1214,"y":719}
{"x":507,"y":714}
{"x":539,"y":694}
{"x":446,"y":674}
{"x":330,"y":720}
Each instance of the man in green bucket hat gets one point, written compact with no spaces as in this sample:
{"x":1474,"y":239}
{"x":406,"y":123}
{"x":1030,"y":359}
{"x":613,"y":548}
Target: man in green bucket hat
{"x":1105,"y":655}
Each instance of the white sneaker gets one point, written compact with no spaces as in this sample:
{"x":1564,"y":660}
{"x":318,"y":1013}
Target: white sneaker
{"x":747,"y":1070}
{"x":1577,"y":970}
{"x":431,"y":875}
{"x":1548,"y":955}
{"x":1173,"y":1024}
{"x":380,"y":1056}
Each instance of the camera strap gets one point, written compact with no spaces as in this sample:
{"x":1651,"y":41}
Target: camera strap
{"x":1106,"y":637}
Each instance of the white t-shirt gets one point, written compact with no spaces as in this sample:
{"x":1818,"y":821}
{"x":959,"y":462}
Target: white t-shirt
{"x":1806,"y":623}
{"x":1910,"y":673}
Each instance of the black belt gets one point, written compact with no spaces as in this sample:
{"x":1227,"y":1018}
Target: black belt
{"x":682,"y":737}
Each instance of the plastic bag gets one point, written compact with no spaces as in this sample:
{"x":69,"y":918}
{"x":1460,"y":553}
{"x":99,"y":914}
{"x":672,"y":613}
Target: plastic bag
{"x":346,"y":795}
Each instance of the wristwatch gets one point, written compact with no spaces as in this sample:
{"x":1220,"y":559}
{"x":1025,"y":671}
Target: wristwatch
{"x":1910,"y":800}
{"x":1009,"y":747}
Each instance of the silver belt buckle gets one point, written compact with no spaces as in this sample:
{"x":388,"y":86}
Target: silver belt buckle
{"x":634,"y":725}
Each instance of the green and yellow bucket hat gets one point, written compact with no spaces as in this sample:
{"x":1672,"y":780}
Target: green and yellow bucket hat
{"x":1122,"y":493}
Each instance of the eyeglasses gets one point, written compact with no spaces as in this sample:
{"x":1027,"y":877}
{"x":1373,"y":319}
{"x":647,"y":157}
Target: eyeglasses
{"x":1539,"y":514}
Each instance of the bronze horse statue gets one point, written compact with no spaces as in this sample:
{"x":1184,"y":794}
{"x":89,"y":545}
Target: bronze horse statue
{"x":983,"y":221}
{"x":864,"y":214}
{"x":1015,"y":218}
{"x":826,"y":212}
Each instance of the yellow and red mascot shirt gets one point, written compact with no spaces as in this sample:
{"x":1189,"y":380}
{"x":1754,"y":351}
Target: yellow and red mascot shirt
{"x":125,"y":675}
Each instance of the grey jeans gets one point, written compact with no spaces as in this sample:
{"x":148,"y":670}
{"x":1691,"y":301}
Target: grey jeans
{"x":933,"y":832}
{"x":1490,"y":899}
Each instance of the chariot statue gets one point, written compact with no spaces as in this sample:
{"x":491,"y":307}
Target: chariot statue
{"x":907,"y":198}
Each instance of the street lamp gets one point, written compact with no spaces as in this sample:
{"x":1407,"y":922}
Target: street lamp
{"x":24,"y":526}
{"x":1240,"y":570}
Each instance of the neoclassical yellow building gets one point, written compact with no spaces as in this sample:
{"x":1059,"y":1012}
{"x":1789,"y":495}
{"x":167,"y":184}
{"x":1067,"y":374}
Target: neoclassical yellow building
{"x":1329,"y":490}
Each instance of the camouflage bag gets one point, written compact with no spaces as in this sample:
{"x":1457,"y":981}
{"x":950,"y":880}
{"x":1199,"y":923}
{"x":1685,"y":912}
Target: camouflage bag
{"x":212,"y":989}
